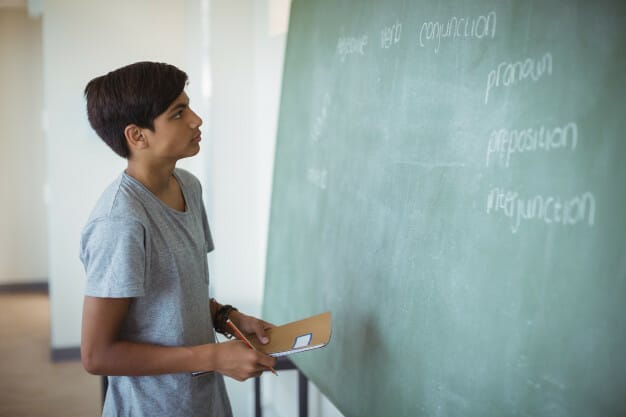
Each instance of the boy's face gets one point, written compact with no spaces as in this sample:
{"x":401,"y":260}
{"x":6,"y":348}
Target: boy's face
{"x":176,"y":132}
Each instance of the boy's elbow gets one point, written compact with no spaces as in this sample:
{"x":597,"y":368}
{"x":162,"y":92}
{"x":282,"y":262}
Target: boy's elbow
{"x":91,"y":361}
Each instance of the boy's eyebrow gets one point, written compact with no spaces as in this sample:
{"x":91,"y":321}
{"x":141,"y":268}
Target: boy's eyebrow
{"x":177,"y":107}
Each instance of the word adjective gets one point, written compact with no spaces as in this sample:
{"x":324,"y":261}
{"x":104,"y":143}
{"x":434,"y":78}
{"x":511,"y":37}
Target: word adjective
{"x":351,"y":46}
{"x":317,"y":177}
{"x":320,"y":121}
{"x":390,"y":35}
{"x":503,"y":142}
{"x":458,"y":27}
{"x":549,"y":209}
{"x":508,"y":73}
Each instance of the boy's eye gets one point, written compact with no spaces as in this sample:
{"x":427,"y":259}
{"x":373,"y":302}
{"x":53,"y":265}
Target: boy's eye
{"x":178,"y":114}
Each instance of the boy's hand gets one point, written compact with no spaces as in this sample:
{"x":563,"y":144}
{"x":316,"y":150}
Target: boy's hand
{"x":251,"y":325}
{"x":236,"y":360}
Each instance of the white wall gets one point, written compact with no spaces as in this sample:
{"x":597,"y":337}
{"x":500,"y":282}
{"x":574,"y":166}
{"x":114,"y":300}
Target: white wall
{"x":23,"y":235}
{"x":248,"y":41}
{"x":233,"y":148}
{"x":234,"y":205}
{"x":80,"y":41}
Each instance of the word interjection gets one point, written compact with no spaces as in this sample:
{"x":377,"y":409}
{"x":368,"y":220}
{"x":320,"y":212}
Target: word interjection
{"x":548,"y":209}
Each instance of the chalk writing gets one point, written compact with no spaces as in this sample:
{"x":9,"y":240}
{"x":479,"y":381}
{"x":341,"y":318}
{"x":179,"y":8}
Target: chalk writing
{"x":548,"y":209}
{"x":351,"y":46}
{"x":503,"y":143}
{"x":390,"y":35}
{"x":320,"y":120}
{"x":317,"y":177}
{"x":458,"y":27}
{"x":507,"y":74}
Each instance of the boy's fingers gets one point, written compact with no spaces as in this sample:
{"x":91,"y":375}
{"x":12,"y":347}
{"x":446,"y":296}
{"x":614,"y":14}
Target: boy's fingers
{"x":260,"y":331}
{"x":268,"y":361}
{"x":260,"y":334}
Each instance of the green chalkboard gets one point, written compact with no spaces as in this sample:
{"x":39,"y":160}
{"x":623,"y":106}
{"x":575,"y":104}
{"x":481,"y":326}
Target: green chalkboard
{"x":450,"y":183}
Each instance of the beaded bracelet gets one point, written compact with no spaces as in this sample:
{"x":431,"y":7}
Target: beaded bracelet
{"x":220,"y":320}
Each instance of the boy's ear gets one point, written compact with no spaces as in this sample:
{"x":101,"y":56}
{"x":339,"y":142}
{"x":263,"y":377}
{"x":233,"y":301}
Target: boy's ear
{"x":135,"y":137}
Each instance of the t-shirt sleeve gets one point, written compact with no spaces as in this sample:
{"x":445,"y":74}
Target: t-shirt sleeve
{"x":113,"y":253}
{"x":208,"y":238}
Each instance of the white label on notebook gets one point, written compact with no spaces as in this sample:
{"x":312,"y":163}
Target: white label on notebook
{"x":302,"y":341}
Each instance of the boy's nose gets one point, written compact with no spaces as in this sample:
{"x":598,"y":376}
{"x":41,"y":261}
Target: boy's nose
{"x":196,"y":121}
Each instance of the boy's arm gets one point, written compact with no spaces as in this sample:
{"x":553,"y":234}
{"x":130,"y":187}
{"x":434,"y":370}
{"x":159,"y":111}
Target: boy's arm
{"x":103,"y":353}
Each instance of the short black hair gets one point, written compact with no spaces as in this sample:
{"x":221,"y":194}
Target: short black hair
{"x":133,"y":94}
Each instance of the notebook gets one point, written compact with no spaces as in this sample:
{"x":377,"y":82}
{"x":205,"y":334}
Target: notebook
{"x":298,"y":336}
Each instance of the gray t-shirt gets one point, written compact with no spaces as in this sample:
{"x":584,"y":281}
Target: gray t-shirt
{"x":136,"y":246}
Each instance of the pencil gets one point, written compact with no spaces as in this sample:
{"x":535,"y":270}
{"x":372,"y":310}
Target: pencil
{"x":245,"y":340}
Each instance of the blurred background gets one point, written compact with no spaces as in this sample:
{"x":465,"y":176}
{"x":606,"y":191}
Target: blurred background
{"x":53,"y":168}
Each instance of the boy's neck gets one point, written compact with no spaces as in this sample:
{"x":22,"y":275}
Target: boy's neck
{"x":157,"y":179}
{"x":160,"y":181}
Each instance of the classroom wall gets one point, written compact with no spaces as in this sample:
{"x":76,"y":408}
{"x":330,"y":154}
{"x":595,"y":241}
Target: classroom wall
{"x":23,"y":234}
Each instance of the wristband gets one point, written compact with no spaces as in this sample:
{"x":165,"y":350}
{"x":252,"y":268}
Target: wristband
{"x":221,"y":316}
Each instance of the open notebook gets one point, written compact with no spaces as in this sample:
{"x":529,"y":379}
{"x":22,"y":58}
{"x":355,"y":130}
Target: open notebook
{"x":297,"y":336}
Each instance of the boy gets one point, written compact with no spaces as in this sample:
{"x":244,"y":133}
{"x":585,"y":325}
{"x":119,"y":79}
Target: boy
{"x":147,"y":319}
